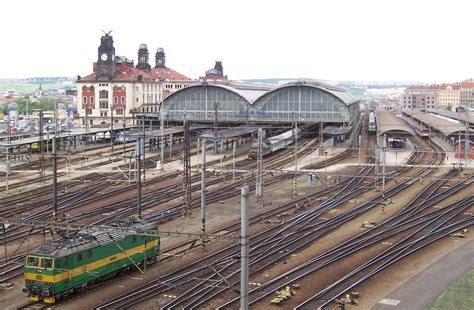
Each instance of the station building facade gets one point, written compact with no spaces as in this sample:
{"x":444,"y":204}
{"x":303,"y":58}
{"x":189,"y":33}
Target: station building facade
{"x":118,"y":86}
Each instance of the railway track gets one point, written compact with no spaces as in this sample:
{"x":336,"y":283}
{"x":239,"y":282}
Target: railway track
{"x":157,"y":290}
{"x":176,"y":278}
{"x":149,"y":200}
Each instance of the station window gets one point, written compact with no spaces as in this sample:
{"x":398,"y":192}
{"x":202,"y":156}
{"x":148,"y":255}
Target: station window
{"x":115,"y":100}
{"x":92,"y":99}
{"x":84,"y":99}
{"x":123,"y":100}
{"x":103,"y":94}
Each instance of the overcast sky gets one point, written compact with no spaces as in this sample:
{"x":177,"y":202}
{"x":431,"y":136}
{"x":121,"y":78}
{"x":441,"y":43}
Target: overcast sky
{"x":396,"y":40}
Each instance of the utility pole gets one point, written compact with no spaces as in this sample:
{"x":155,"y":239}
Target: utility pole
{"x":383,"y":167}
{"x":112,"y":127}
{"x":41,"y":145}
{"x":8,"y":127}
{"x":139,"y":177}
{"x":198,"y":147}
{"x":144,"y":143}
{"x":187,"y":169}
{"x":124,"y":136}
{"x":7,"y":171}
{"x":377,"y":163}
{"x":459,"y":150}
{"x":321,"y":135}
{"x":233,"y":159}
{"x":222,"y":150}
{"x":203,"y":193}
{"x":244,"y":245}
{"x":295,"y":159}
{"x":360,"y":146}
{"x":5,"y":243}
{"x":55,"y":183}
{"x":259,"y":181}
{"x":162,"y":152}
{"x":216,"y":120}
{"x":171,"y":145}
{"x":467,"y":138}
{"x":87,"y":118}
{"x":55,"y":118}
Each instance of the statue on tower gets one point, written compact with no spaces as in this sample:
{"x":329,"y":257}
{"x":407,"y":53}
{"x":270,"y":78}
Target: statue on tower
{"x":106,"y":58}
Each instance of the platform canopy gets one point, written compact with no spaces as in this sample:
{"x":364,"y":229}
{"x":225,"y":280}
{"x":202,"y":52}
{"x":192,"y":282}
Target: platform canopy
{"x":459,"y":116}
{"x":389,"y":123}
{"x":446,"y":127}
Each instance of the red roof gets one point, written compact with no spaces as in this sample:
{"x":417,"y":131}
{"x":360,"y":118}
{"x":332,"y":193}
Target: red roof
{"x":454,"y":86}
{"x":467,"y":84}
{"x":167,"y":74}
{"x":424,"y":87}
{"x":125,"y":73}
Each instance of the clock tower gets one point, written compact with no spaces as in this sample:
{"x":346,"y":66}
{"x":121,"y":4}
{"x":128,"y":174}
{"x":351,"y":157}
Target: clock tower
{"x":106,"y":58}
{"x":160,"y":58}
{"x":143,"y":58}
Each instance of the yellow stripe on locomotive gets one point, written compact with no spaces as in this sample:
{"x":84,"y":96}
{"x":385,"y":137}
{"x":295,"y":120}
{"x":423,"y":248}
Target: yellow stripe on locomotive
{"x":66,"y":265}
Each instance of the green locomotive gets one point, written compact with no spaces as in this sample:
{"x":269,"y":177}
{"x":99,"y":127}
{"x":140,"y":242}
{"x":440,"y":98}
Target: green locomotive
{"x":63,"y":266}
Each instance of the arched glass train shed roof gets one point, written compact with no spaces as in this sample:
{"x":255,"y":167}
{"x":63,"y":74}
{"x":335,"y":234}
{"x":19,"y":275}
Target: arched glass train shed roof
{"x":296,"y":101}
{"x":389,"y":123}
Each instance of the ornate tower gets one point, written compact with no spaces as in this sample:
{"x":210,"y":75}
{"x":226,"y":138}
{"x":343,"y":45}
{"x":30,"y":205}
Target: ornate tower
{"x":218,"y":66}
{"x":160,"y":58}
{"x":143,"y":58}
{"x":106,"y":56}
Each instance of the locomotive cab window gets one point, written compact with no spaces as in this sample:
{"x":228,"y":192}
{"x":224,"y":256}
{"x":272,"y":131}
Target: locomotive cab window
{"x":32,"y":261}
{"x":47,"y":263}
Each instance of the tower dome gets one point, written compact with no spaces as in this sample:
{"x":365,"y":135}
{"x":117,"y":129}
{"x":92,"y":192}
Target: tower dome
{"x":160,"y":58}
{"x":143,"y":58}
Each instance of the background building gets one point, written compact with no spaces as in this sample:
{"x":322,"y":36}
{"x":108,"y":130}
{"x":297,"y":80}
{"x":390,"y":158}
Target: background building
{"x":448,"y":95}
{"x":466,"y":94}
{"x":421,"y":97}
